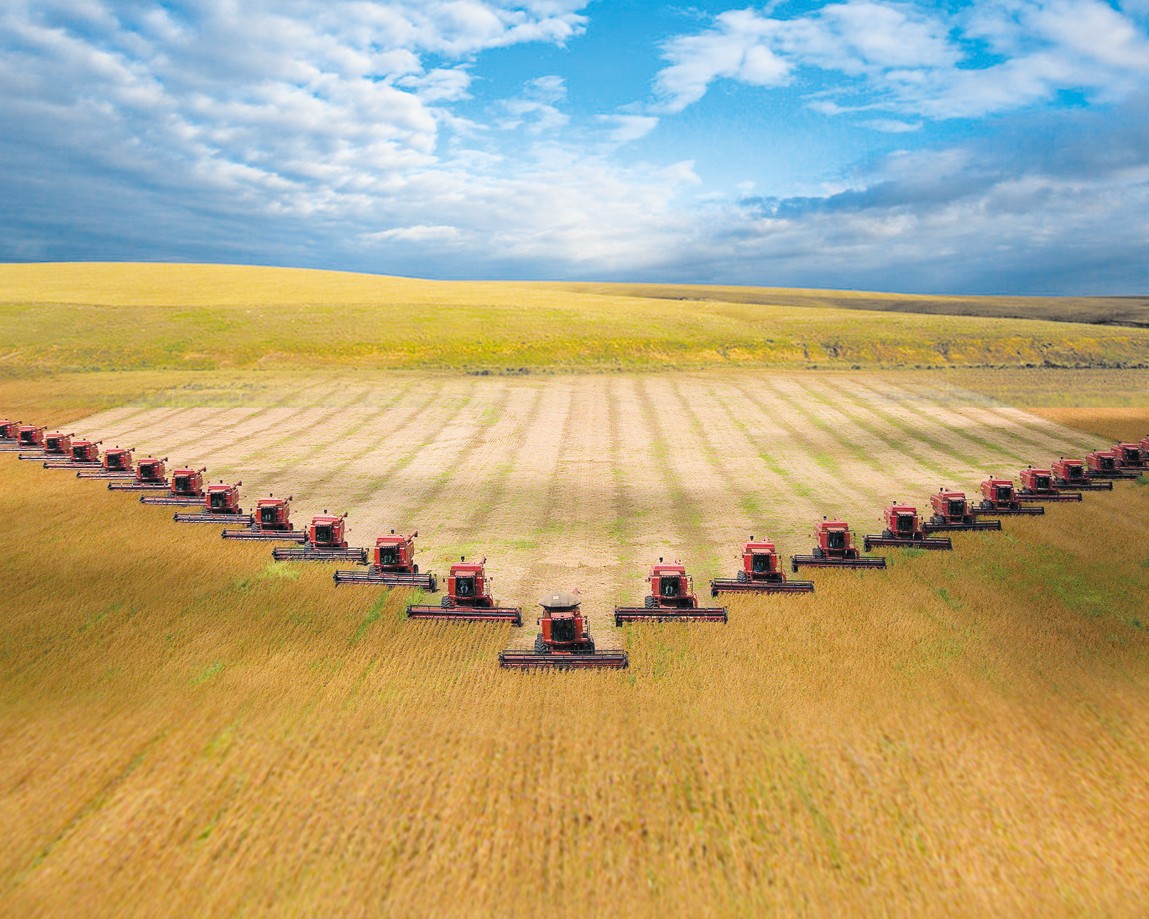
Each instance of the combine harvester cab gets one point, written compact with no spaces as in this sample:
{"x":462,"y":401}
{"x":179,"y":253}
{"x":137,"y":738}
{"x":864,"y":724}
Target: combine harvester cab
{"x":1106,"y":464}
{"x":185,"y":489}
{"x":29,"y":439}
{"x":903,"y":529}
{"x":998,"y":498}
{"x":761,"y":573}
{"x":220,"y":505}
{"x":1037,"y":485}
{"x":8,"y":433}
{"x":1074,"y":474}
{"x":272,"y":522}
{"x":325,"y":542}
{"x":835,"y":549}
{"x":563,"y":642}
{"x":468,"y":598}
{"x":951,"y":511}
{"x":56,"y":446}
{"x":671,"y":598}
{"x":151,"y":475}
{"x":392,"y":564}
{"x":117,"y":465}
{"x":82,"y":454}
{"x":1132,"y":457}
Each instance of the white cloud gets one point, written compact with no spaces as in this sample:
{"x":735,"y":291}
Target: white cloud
{"x":914,"y":60}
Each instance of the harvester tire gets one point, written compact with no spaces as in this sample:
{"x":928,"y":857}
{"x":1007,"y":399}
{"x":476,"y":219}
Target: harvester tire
{"x":649,"y":603}
{"x":743,"y":577}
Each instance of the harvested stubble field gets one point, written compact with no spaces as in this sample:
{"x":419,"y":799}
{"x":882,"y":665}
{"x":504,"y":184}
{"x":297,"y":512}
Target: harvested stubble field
{"x":191,"y":729}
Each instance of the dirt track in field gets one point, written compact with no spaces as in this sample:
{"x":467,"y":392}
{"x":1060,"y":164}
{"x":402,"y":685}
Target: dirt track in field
{"x":583,"y":481}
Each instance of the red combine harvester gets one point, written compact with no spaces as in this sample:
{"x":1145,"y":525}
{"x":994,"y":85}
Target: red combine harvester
{"x":220,"y":505}
{"x":8,"y":432}
{"x":1037,"y":485}
{"x":393,"y":564}
{"x":468,"y":598}
{"x":671,"y":597}
{"x":29,"y":438}
{"x":82,"y":454}
{"x":761,"y":573}
{"x":1106,"y":464}
{"x":1132,"y":457}
{"x":835,"y":549}
{"x":56,"y":446}
{"x":997,"y":497}
{"x":325,"y":542}
{"x":117,"y":465}
{"x":951,"y":512}
{"x":904,"y":530}
{"x":185,"y":490}
{"x":151,"y":475}
{"x":563,"y":643}
{"x":272,"y":522}
{"x":1073,"y":474}
{"x":1144,"y":444}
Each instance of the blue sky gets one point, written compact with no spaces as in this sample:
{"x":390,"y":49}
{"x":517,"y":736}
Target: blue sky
{"x":989,"y":147}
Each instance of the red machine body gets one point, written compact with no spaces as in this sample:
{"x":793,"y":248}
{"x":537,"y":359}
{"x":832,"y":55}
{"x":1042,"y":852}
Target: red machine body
{"x":8,"y":429}
{"x":272,"y":521}
{"x":151,"y":475}
{"x":220,"y":505}
{"x":671,"y":598}
{"x":56,"y":446}
{"x":1074,"y":474}
{"x":392,"y":564}
{"x":998,"y":497}
{"x":468,"y":598}
{"x":951,"y":511}
{"x":1037,"y":485}
{"x":117,"y":465}
{"x":82,"y":454}
{"x":761,"y":572}
{"x":835,"y":549}
{"x":29,"y":437}
{"x":563,"y":642}
{"x":185,"y":489}
{"x":903,"y":529}
{"x":1106,"y":464}
{"x":1132,"y":456}
{"x":325,"y":541}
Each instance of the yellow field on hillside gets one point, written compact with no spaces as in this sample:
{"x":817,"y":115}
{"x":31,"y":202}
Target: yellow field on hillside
{"x":99,"y":317}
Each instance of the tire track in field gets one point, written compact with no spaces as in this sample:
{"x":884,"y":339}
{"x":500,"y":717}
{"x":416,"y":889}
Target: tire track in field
{"x":533,"y":508}
{"x":937,"y":419}
{"x":821,"y":471}
{"x":492,"y":468}
{"x":839,"y":428}
{"x":730,"y":521}
{"x":795,"y":491}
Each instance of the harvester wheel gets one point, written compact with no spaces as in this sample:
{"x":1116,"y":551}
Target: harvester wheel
{"x":649,"y":603}
{"x":446,"y":603}
{"x":743,"y":577}
{"x":540,"y":648}
{"x":818,"y":553}
{"x":416,"y":569}
{"x":866,"y":543}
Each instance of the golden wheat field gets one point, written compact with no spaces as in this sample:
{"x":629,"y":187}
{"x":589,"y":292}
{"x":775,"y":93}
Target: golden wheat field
{"x":192,"y":729}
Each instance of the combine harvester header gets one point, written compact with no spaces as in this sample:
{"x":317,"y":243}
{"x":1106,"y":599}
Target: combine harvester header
{"x":671,"y":598}
{"x":56,"y":445}
{"x":220,"y":505}
{"x":151,"y":475}
{"x":952,"y":512}
{"x":1106,"y":464}
{"x":563,"y":642}
{"x":1037,"y":485}
{"x":272,"y":521}
{"x":392,"y":564}
{"x":1074,"y":474}
{"x":117,"y":465}
{"x":835,"y":549}
{"x":468,"y":598}
{"x":997,"y":497}
{"x":185,"y":490}
{"x":761,"y":573}
{"x":904,"y":530}
{"x":325,"y":542}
